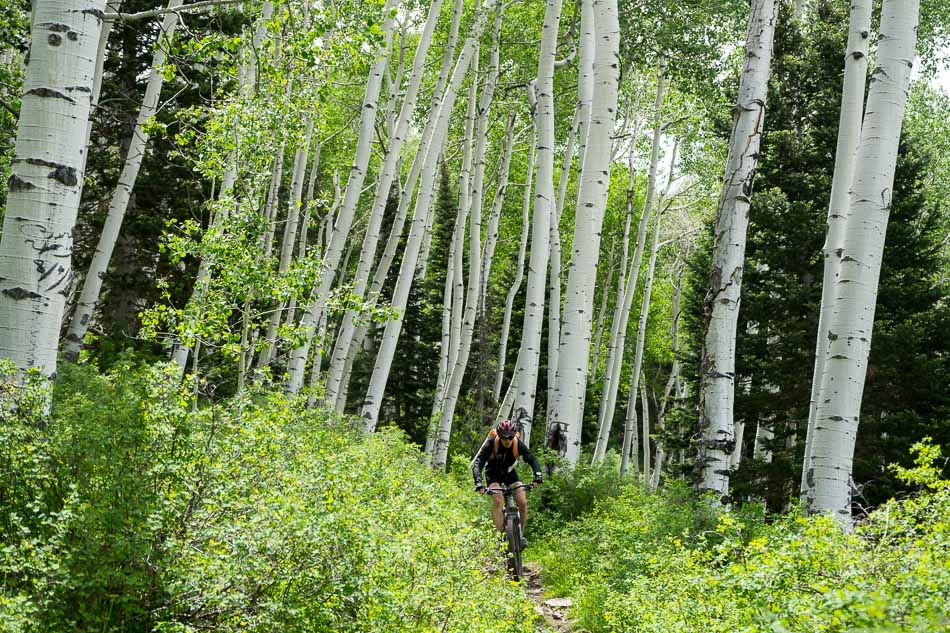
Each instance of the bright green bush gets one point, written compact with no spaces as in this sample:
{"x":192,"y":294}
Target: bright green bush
{"x":631,"y":569}
{"x":129,"y":509}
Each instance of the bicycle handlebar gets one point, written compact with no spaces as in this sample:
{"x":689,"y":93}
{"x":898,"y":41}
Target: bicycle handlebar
{"x":510,"y":489}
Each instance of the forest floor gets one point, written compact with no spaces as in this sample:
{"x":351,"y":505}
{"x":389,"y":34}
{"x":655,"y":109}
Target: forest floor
{"x":554,"y":610}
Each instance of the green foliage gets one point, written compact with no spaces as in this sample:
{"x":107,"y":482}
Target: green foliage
{"x":662,"y":563}
{"x":130,"y":509}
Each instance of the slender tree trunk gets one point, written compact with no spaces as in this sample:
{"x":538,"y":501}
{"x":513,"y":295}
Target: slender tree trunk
{"x":92,"y":286}
{"x":721,"y":304}
{"x":387,"y":350}
{"x":491,"y":234}
{"x":591,"y":205}
{"x":45,"y":183}
{"x":628,"y":457}
{"x":344,"y":220}
{"x":642,"y":325}
{"x":851,"y":312}
{"x":849,"y":135}
{"x":602,"y":312}
{"x":443,"y":355}
{"x":645,"y":416}
{"x":351,"y":337}
{"x":519,"y":276}
{"x":301,"y":157}
{"x":622,"y":312}
{"x":526,"y":373}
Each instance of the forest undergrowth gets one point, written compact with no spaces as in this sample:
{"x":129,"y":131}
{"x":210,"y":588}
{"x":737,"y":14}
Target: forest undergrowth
{"x":132,"y":507}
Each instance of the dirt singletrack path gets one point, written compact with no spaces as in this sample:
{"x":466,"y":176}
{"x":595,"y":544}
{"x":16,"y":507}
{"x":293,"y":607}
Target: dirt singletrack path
{"x":554,"y":610}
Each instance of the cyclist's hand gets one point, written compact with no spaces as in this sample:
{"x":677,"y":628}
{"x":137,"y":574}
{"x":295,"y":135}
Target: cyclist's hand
{"x":537,"y":482}
{"x":480,"y":490}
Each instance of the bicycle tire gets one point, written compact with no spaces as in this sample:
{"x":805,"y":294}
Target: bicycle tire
{"x":513,"y":555}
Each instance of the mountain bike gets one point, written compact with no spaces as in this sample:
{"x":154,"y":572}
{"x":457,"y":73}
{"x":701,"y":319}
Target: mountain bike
{"x":512,"y":528}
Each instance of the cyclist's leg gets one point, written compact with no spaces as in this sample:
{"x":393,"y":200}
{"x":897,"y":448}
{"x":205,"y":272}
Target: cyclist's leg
{"x":497,"y":506}
{"x":522,"y":500}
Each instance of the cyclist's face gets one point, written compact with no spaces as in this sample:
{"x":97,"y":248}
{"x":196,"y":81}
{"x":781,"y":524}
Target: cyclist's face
{"x":507,"y":442}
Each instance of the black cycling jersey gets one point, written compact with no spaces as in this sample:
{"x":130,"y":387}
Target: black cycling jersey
{"x":500,"y":467}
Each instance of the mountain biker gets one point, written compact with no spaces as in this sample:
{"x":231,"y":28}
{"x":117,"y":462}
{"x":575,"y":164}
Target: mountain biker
{"x":498,"y":459}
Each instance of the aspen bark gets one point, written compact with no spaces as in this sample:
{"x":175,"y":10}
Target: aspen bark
{"x":622,"y":312}
{"x":851,"y":312}
{"x":519,"y":276}
{"x":849,"y":135}
{"x":526,"y":373}
{"x":568,"y":413}
{"x":92,"y":285}
{"x":45,"y":183}
{"x":721,"y":304}
{"x":350,"y":337}
{"x":354,"y":185}
{"x":424,"y":200}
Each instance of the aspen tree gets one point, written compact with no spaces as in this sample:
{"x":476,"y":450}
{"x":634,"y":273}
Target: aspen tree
{"x":721,"y":304}
{"x":344,"y":220}
{"x":853,"y":301}
{"x":849,"y":135}
{"x":350,"y":337}
{"x":92,"y":285}
{"x":45,"y":183}
{"x":622,"y":312}
{"x":591,"y":205}
{"x":526,"y":372}
{"x":424,"y":200}
{"x":518,"y":277}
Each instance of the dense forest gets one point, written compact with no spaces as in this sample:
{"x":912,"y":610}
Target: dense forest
{"x":273,"y":272}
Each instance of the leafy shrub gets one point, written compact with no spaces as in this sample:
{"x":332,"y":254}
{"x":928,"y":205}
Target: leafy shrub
{"x":131,"y":509}
{"x":631,"y":571}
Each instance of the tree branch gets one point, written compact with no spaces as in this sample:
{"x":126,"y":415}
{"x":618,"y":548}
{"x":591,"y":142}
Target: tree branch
{"x":145,"y":15}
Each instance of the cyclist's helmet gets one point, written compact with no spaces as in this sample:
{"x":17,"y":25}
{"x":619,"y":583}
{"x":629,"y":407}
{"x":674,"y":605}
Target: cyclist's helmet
{"x":506,"y":430}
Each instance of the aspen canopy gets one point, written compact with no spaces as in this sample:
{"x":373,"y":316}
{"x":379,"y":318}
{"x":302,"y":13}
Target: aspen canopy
{"x":272,"y":270}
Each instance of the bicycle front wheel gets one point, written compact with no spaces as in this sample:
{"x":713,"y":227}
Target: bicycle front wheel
{"x":513,"y":531}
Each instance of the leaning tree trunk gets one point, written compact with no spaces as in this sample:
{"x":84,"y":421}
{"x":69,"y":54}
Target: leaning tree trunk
{"x":851,"y":313}
{"x":351,"y":337}
{"x":424,"y":200}
{"x":45,"y":182}
{"x":526,"y":373}
{"x":519,"y":276}
{"x":92,"y":286}
{"x":344,"y":220}
{"x":591,"y":205}
{"x":618,"y":334}
{"x":721,"y":304}
{"x":849,"y":135}
{"x":642,"y":332}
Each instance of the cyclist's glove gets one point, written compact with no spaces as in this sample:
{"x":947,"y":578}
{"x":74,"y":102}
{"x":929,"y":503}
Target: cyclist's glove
{"x":480,"y":489}
{"x":538,"y":479}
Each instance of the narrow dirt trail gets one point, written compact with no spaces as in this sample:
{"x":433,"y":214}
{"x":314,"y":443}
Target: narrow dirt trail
{"x":554,"y":610}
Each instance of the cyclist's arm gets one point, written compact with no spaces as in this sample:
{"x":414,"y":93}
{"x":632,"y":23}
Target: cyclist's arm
{"x":531,"y":459}
{"x":479,"y":462}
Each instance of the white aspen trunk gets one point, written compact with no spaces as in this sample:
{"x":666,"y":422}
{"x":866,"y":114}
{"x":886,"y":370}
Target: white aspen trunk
{"x":45,"y":183}
{"x":645,"y":417}
{"x":849,"y":135}
{"x":642,"y":325}
{"x":526,"y":373}
{"x":301,"y":157}
{"x":350,"y":337}
{"x":602,"y":312}
{"x":851,"y":313}
{"x":721,"y":304}
{"x":451,"y":309}
{"x":247,"y":71}
{"x":424,"y":200}
{"x":443,"y":356}
{"x":454,"y":383}
{"x":491,"y":234}
{"x":316,"y":362}
{"x":92,"y":285}
{"x":736,"y":455}
{"x":307,"y":205}
{"x":618,"y":335}
{"x":354,"y":185}
{"x":802,"y":5}
{"x":631,"y":438}
{"x":573,"y":358}
{"x":519,"y":276}
{"x":270,"y":204}
{"x":763,"y":435}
